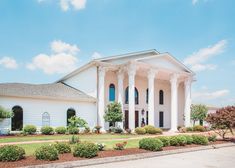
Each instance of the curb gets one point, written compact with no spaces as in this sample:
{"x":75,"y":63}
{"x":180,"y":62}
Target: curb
{"x":90,"y":162}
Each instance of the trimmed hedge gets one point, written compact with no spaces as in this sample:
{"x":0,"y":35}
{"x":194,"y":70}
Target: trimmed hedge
{"x":200,"y":139}
{"x":85,"y":149}
{"x":198,"y":128}
{"x":165,"y":140}
{"x":11,"y":153}
{"x":46,"y":152}
{"x":152,"y":144}
{"x":189,"y":139}
{"x":62,"y":148}
{"x":47,"y":130}
{"x":152,"y":130}
{"x":140,"y":130}
{"x":189,"y":129}
{"x":29,"y":129}
{"x":179,"y":140}
{"x":60,"y":130}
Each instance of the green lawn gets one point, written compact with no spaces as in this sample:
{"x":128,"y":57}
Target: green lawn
{"x":66,"y":137}
{"x":30,"y":148}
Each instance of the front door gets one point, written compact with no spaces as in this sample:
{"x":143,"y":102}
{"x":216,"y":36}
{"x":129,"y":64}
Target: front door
{"x":136,"y":119}
{"x":126,"y":119}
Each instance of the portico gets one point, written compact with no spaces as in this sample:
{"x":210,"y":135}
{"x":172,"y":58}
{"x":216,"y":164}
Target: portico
{"x":137,"y":88}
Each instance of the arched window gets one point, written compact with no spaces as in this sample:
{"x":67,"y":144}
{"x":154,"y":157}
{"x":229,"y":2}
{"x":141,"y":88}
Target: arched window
{"x":147,"y":96}
{"x":111,"y":92}
{"x":161,"y":97}
{"x":70,"y":113}
{"x":45,"y":119}
{"x":17,"y":119}
{"x":127,"y":96}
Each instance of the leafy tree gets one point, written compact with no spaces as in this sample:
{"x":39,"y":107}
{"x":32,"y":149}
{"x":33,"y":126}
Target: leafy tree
{"x":198,"y":112}
{"x":5,"y":113}
{"x":223,"y":120}
{"x":113,"y":113}
{"x":77,"y":122}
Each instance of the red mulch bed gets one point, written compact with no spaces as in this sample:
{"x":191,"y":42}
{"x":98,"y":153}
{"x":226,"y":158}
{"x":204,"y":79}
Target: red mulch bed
{"x":30,"y":160}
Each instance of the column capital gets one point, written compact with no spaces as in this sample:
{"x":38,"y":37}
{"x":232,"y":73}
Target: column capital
{"x":188,"y":81}
{"x":120,"y":74}
{"x":174,"y":78}
{"x":101,"y":70}
{"x":132,"y":70}
{"x":152,"y":73}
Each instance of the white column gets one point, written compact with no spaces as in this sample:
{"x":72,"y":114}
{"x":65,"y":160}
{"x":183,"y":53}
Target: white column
{"x":101,"y":109}
{"x":131,"y":73}
{"x":151,"y":77}
{"x":174,"y":102}
{"x":187,"y":92}
{"x":120,"y":76}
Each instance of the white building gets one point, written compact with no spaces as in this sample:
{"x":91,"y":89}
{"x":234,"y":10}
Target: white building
{"x":152,"y":87}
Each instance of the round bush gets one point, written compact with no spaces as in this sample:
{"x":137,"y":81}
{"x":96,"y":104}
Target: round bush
{"x":178,"y":140}
{"x":46,"y":152}
{"x":73,"y":130}
{"x":140,"y":130}
{"x":152,"y":144}
{"x":198,"y":128}
{"x":60,"y":130}
{"x":85,"y":149}
{"x":29,"y":129}
{"x":189,"y":129}
{"x":189,"y":139}
{"x":62,"y":147}
{"x":200,"y":139}
{"x":47,"y":130}
{"x":165,"y":140}
{"x":152,"y":130}
{"x":11,"y":153}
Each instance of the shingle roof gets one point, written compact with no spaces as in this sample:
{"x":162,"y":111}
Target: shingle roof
{"x":59,"y":91}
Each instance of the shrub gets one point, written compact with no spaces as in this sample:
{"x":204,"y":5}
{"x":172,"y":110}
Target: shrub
{"x":152,"y":130}
{"x":62,"y":148}
{"x":198,"y":128}
{"x":152,"y":144}
{"x":87,"y":130}
{"x":212,"y":138}
{"x":29,"y":129}
{"x":74,"y":139}
{"x":189,"y":129}
{"x":120,"y":146}
{"x":165,"y":140}
{"x":60,"y":130}
{"x":182,"y":130}
{"x":178,"y":140}
{"x":73,"y":130}
{"x":140,"y":130}
{"x":200,"y":139}
{"x":47,"y":130}
{"x":100,"y":146}
{"x":85,"y":149}
{"x":189,"y":139}
{"x":118,"y":130}
{"x":11,"y":153}
{"x":46,"y":152}
{"x":128,"y":131}
{"x":97,"y":129}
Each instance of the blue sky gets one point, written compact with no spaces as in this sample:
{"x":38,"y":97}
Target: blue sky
{"x":41,"y":40}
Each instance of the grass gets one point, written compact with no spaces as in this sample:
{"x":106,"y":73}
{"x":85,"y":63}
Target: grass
{"x":30,"y":148}
{"x":96,"y":137}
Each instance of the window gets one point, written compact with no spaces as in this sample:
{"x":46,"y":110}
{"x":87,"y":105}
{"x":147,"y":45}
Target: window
{"x":70,"y":113}
{"x":111,"y":92}
{"x":127,"y":96}
{"x":161,"y":97}
{"x":161,"y":119}
{"x":45,"y":119}
{"x":17,"y":119}
{"x":147,"y":96}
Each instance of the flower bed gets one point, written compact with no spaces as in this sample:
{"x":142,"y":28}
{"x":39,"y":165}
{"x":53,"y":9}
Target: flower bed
{"x":30,"y":160}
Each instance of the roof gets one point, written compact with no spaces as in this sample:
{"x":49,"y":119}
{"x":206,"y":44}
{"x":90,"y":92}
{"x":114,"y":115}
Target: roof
{"x":57,"y":91}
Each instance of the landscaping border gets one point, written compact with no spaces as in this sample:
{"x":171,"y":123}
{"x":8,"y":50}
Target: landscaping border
{"x":89,"y":162}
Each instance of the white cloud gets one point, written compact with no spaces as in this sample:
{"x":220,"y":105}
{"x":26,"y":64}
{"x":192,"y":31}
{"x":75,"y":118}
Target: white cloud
{"x":62,"y":60}
{"x":96,"y":55}
{"x":75,"y":4}
{"x":199,"y":57}
{"x":194,"y":2}
{"x":210,"y":95}
{"x":9,"y":63}
{"x":58,"y":46}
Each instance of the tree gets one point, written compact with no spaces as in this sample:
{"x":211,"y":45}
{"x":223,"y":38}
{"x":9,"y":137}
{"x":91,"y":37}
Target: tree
{"x":77,"y":122}
{"x":223,"y":120}
{"x":113,"y":113}
{"x":5,"y":113}
{"x":198,"y":112}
